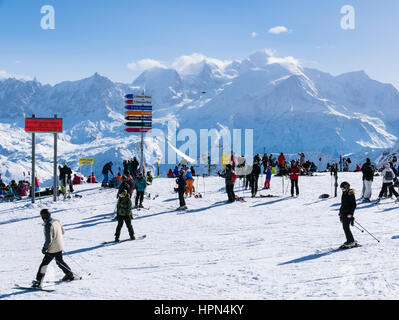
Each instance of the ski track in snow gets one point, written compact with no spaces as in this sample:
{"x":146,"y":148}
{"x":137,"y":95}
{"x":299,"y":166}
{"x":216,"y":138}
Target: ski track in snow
{"x":266,"y":248}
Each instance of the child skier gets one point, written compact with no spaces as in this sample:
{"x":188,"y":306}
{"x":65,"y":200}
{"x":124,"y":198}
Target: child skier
{"x":268,"y":177}
{"x":124,"y":214}
{"x":346,"y":212}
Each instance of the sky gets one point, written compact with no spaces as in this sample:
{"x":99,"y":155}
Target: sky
{"x":119,"y":39}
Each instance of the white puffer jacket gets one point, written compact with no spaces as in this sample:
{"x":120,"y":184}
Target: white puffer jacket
{"x":53,"y":233}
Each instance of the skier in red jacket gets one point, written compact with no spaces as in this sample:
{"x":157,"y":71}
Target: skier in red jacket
{"x":294,"y":174}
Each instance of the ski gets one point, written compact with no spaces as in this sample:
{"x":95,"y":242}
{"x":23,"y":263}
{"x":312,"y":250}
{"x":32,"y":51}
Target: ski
{"x":267,"y":196}
{"x":17,"y":286}
{"x":241,"y":199}
{"x":342,"y":247}
{"x":125,"y":240}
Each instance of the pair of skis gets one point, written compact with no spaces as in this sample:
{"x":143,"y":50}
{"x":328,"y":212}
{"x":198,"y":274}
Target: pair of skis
{"x":45,"y":289}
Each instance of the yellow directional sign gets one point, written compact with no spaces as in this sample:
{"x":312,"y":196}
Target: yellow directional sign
{"x":225,"y":159}
{"x":86,"y":161}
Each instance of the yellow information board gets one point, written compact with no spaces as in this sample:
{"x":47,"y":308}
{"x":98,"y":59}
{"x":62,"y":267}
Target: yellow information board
{"x":225,"y":159}
{"x":86,"y":161}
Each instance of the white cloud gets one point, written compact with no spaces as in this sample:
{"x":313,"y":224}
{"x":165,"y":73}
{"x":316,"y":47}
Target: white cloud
{"x":278,"y":30}
{"x":145,"y":64}
{"x":254,"y":34}
{"x":6,"y":75}
{"x":192,"y":63}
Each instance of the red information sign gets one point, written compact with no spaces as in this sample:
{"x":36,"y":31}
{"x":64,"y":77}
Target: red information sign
{"x":51,"y":125}
{"x":137,"y":130}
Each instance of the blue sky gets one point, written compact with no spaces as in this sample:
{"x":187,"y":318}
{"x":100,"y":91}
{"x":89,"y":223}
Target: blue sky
{"x":104,"y":36}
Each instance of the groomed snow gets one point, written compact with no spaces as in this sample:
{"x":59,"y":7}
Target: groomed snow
{"x":266,"y":248}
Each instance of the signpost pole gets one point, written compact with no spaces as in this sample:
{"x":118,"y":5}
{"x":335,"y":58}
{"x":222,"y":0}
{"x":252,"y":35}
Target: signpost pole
{"x":33,"y":165}
{"x":55,"y":178}
{"x":142,"y":147}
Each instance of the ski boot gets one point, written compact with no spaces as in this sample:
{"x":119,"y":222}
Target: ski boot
{"x":69,"y":277}
{"x":36,"y":284}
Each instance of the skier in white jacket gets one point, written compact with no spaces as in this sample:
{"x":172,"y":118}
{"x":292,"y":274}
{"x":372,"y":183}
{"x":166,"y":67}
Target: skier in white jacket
{"x":387,"y":182}
{"x":52,"y":248}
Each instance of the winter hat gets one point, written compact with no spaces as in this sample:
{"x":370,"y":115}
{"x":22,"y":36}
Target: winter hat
{"x":345,"y":185}
{"x":45,"y":214}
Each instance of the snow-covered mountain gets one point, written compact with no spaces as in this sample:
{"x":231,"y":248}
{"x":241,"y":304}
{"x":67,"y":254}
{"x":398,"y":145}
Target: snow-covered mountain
{"x":290,"y":108}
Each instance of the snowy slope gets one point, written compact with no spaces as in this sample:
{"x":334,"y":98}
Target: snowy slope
{"x":266,"y":248}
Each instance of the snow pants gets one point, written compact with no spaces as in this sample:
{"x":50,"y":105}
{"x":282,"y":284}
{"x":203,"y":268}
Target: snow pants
{"x":181,"y":198}
{"x":367,"y":189}
{"x":128,"y":221}
{"x":48,"y":257}
{"x":267,"y":184}
{"x":346,"y":225}
{"x":189,"y":188}
{"x":230,"y":192}
{"x":388,"y":186}
{"x":294,"y":185}
{"x":139,"y":198}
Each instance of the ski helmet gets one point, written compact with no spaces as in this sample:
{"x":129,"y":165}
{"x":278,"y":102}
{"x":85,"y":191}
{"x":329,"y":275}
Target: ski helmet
{"x":45,"y":214}
{"x":345,"y":185}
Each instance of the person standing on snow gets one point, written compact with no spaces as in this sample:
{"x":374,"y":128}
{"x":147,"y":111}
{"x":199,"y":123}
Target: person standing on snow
{"x":255,"y":178}
{"x":387,"y":182}
{"x":346,"y":212}
{"x":230,"y":178}
{"x":268,"y":177}
{"x":52,"y":248}
{"x":189,"y":182}
{"x":368,"y":176}
{"x":124,"y":215}
{"x":181,"y":189}
{"x":141,"y":184}
{"x":294,"y":175}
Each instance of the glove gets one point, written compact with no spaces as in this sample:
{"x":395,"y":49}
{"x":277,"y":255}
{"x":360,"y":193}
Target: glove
{"x":44,"y":250}
{"x":352,"y":219}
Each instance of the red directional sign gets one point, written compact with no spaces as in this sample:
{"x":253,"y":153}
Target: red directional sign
{"x":138,"y":129}
{"x":51,"y":125}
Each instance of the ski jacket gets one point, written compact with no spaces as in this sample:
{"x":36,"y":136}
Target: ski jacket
{"x":268,"y":174}
{"x":384,"y":173}
{"x":281,"y":160}
{"x":181,"y":183}
{"x":189,"y":175}
{"x":176,"y":173}
{"x":53,"y":234}
{"x":141,"y":184}
{"x":256,"y":169}
{"x":367,"y":171}
{"x":348,"y":202}
{"x":107,"y":168}
{"x":124,"y":206}
{"x":294,"y":173}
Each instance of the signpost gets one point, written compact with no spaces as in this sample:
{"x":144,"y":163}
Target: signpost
{"x":85,"y":161}
{"x":139,"y":118}
{"x":43,"y":125}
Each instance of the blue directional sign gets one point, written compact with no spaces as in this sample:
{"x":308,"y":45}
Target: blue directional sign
{"x":142,"y":108}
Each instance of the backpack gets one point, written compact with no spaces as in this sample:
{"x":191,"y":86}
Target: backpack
{"x":388,"y":175}
{"x":233,"y":176}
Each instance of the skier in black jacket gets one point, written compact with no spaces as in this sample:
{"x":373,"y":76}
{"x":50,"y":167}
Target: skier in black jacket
{"x":346,"y":212}
{"x":181,"y":189}
{"x":230,"y":177}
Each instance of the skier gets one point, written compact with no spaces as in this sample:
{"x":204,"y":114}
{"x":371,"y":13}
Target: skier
{"x":134,"y":166}
{"x":388,"y":176}
{"x":230,"y":178}
{"x":368,"y":176}
{"x":255,"y":178}
{"x":189,"y":182}
{"x":281,"y":163}
{"x":346,"y":212}
{"x":181,"y":189}
{"x":141,"y":184}
{"x":268,"y":177}
{"x":107,"y":168}
{"x":52,"y":248}
{"x":294,"y":175}
{"x":124,"y":215}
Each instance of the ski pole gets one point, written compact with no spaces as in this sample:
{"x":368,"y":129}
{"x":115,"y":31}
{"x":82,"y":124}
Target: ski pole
{"x":88,"y":273}
{"x":366,"y":231}
{"x":359,"y":228}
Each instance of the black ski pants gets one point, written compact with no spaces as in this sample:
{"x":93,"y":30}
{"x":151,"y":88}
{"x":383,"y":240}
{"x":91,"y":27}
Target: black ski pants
{"x":254,"y":184}
{"x":294,"y":185}
{"x":139,"y":198}
{"x":48,"y":257}
{"x":230,"y":192}
{"x":128,"y":221}
{"x":346,"y":222}
{"x":388,"y":186}
{"x":181,"y":197}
